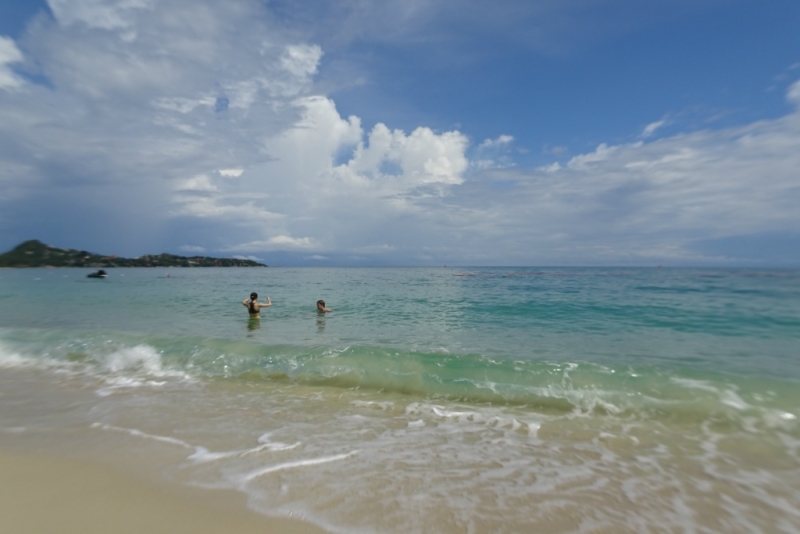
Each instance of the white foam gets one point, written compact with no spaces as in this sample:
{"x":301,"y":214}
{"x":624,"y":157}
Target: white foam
{"x":10,"y":359}
{"x":694,"y":384}
{"x":382,"y":405}
{"x":458,"y":415}
{"x":779,"y":419}
{"x":140,"y":357}
{"x":733,"y":400}
{"x":333,"y":353}
{"x":135,"y":367}
{"x":140,"y":434}
{"x":117,"y":383}
{"x":293,"y":465}
{"x":203,"y":455}
{"x":533,"y":429}
{"x":587,"y":401}
{"x":486,"y":420}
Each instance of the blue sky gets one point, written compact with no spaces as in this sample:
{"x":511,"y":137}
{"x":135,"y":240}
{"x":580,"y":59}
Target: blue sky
{"x":359,"y":132}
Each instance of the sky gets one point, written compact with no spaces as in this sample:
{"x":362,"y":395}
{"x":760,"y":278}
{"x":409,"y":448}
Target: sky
{"x":405,"y":132}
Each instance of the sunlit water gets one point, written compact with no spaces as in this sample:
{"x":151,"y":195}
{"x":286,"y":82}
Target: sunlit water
{"x":429,"y":400}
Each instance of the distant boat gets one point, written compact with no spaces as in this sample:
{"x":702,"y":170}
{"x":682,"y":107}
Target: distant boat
{"x":98,"y":274}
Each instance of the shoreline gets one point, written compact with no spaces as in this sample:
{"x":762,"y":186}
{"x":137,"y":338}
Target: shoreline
{"x":42,"y":493}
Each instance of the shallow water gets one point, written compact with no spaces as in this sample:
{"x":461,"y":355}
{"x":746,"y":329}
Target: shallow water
{"x":468,"y":400}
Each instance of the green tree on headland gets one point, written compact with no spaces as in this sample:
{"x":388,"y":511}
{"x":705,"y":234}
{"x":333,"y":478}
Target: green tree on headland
{"x":34,"y":253}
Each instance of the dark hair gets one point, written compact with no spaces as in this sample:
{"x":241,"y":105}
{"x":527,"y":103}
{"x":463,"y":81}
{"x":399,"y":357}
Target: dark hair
{"x":253,"y":297}
{"x":321,"y":303}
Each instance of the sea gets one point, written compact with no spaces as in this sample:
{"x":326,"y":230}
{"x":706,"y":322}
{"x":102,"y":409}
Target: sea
{"x":446,"y":400}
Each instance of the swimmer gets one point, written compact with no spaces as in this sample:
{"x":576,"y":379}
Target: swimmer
{"x":255,"y":307}
{"x":321,"y":307}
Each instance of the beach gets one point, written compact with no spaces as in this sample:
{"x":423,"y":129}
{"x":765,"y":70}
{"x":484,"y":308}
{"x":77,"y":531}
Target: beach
{"x":49,"y":494}
{"x":428,"y":400}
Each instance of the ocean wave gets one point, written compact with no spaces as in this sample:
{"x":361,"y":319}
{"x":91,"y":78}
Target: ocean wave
{"x":113,"y":364}
{"x":577,"y":389}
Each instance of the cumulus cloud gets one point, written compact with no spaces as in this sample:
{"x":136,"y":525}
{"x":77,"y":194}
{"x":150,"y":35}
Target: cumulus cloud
{"x":327,"y":163}
{"x":301,"y":60}
{"x":396,"y":161}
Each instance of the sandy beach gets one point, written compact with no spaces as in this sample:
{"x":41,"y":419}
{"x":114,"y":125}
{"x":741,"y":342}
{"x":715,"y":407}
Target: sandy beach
{"x":40,"y":494}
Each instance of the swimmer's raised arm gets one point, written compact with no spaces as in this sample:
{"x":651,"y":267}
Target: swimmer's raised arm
{"x":256,"y":305}
{"x":253,"y":306}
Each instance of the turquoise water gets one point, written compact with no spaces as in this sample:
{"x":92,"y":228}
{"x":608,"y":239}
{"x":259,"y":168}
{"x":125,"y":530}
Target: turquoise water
{"x":475,"y":399}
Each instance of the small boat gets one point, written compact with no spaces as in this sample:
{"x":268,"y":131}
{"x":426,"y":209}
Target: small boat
{"x":98,"y":274}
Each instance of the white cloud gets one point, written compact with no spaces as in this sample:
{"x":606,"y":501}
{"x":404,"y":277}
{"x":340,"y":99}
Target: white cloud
{"x":231,"y":173}
{"x":203,"y":207}
{"x":794,"y":93}
{"x":307,"y":149}
{"x":9,"y":53}
{"x":301,"y":60}
{"x":646,"y":202}
{"x":388,"y":163}
{"x":651,"y":128}
{"x":183,"y":105}
{"x":279,"y":242}
{"x":586,"y":161}
{"x":100,"y":14}
{"x":553,"y":167}
{"x":493,"y":153}
{"x":422,"y":157}
{"x":501,"y":141}
{"x":201,"y":182}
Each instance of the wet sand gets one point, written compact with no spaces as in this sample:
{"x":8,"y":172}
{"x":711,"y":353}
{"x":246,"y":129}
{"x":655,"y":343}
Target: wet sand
{"x":41,"y":494}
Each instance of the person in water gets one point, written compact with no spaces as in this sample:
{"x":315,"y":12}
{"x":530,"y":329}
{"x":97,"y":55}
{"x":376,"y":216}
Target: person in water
{"x":321,"y":307}
{"x":255,"y":307}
